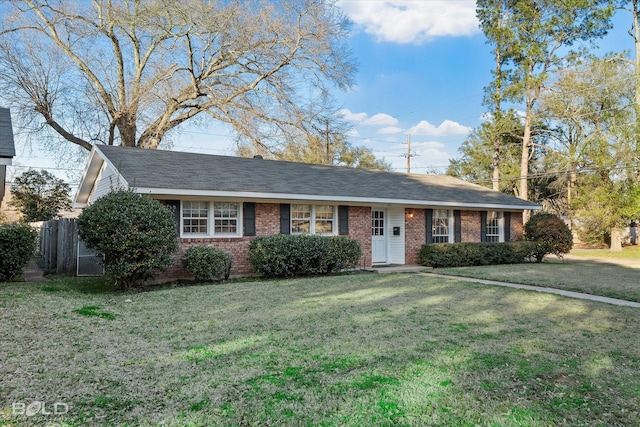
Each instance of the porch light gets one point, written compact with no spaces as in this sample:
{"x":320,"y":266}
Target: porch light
{"x":409,"y":214}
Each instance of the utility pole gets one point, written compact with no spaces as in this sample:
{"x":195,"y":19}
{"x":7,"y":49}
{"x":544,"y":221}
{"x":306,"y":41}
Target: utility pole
{"x":409,"y":155}
{"x":326,"y":122}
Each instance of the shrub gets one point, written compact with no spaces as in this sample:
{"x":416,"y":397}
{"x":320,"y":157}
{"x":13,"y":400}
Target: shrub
{"x":285,"y":255}
{"x":550,"y":235}
{"x":206,"y":263}
{"x":17,"y":246}
{"x":472,"y":254}
{"x":135,"y":233}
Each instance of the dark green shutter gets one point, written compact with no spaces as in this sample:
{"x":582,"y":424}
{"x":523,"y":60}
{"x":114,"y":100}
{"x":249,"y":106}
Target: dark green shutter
{"x":174,"y":205}
{"x":285,"y":218}
{"x":249,"y":219}
{"x":343,"y":220}
{"x":507,"y":226}
{"x":457,"y":227}
{"x":429,"y":225}
{"x":483,"y":226}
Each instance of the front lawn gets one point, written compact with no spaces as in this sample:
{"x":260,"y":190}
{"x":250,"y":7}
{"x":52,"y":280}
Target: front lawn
{"x":597,"y":278}
{"x":354,"y":350}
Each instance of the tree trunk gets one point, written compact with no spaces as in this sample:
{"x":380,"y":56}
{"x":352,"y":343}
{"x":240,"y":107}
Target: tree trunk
{"x":616,"y":240}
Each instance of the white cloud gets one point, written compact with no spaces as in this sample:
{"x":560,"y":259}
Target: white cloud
{"x":447,"y":127}
{"x":353,"y":117}
{"x":413,"y":21}
{"x":379,"y":119}
{"x":389,"y":130}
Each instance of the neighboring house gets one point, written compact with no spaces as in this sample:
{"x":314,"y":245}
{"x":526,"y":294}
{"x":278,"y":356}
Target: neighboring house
{"x":7,"y":148}
{"x":225,"y":202}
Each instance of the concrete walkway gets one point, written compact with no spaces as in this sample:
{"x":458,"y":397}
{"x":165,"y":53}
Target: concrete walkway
{"x":569,"y":294}
{"x":33,"y":272}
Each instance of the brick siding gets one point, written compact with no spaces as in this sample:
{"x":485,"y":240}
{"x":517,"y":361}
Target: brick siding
{"x":268,"y":223}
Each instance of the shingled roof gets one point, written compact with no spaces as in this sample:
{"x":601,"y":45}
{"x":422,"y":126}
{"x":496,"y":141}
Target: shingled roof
{"x":7,"y":148}
{"x":171,"y":172}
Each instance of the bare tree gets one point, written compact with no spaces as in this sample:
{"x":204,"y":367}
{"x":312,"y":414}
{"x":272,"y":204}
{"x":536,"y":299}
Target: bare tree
{"x":129,"y":71}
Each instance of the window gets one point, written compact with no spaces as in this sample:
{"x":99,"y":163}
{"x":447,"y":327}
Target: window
{"x":225,"y":217}
{"x":313,"y":219}
{"x":441,"y":231}
{"x":494,"y":227}
{"x":197,"y":215}
{"x":300,"y":218}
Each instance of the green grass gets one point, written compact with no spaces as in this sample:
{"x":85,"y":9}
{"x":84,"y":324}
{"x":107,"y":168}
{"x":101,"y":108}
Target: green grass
{"x":628,"y":252}
{"x":596,"y":278}
{"x":354,"y":350}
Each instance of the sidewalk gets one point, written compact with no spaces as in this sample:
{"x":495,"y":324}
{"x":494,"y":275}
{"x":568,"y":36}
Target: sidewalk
{"x":33,"y":273}
{"x":569,"y":294}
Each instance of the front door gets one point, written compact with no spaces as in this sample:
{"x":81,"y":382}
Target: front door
{"x":378,"y":237}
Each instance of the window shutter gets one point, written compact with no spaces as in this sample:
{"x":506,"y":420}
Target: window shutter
{"x":174,"y":205}
{"x":429,"y":226}
{"x":483,"y":226}
{"x":343,"y":220}
{"x":457,"y":227}
{"x":507,"y":226}
{"x":285,"y":218}
{"x":249,"y":219}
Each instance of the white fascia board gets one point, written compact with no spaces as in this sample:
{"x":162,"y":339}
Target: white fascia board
{"x":6,"y":161}
{"x":90,"y":175}
{"x":337,"y":199}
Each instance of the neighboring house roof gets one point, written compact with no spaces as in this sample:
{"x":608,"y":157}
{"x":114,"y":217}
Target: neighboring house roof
{"x":7,"y":148}
{"x":172,"y":173}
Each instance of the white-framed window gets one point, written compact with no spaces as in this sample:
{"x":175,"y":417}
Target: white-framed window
{"x":225,"y":218}
{"x":206,"y":218}
{"x":195,"y":217}
{"x":313,"y":219}
{"x":442,"y":226}
{"x":494,"y":227}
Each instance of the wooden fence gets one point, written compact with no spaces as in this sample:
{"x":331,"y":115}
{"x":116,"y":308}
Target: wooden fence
{"x":61,"y":251}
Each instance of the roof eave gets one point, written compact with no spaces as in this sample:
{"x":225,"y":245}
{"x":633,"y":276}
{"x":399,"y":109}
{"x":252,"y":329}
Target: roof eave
{"x":330,"y":198}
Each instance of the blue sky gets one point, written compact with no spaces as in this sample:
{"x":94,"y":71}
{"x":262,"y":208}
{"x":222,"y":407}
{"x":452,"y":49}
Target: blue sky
{"x":423,"y":65}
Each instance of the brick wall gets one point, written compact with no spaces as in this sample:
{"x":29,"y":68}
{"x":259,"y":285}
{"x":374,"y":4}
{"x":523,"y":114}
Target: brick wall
{"x":517,"y":229}
{"x":360,"y":229}
{"x":470,"y":226}
{"x":415,"y":233}
{"x":268,"y":223}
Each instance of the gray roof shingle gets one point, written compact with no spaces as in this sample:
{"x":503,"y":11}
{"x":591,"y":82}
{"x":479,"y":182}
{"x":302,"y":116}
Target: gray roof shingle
{"x":7,"y":148}
{"x":159,"y":169}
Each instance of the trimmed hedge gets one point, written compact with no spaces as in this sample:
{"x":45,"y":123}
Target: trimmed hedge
{"x":286,"y":255}
{"x":206,"y":263}
{"x":470,"y":254}
{"x":17,"y":246}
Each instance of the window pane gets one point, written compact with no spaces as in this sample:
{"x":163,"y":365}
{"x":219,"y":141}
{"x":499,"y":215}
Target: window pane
{"x":493,"y":226}
{"x":300,"y":218}
{"x":225,"y":217}
{"x":324,"y":219}
{"x":195,"y":217}
{"x":441,"y":226}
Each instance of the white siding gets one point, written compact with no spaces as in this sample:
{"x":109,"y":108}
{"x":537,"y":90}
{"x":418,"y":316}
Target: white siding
{"x":107,"y":180}
{"x":396,"y":243}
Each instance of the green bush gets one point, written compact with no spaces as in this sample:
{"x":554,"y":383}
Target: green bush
{"x":135,"y":233}
{"x":285,"y":255}
{"x":550,"y":234}
{"x":17,"y":246}
{"x":206,"y":263}
{"x":439,"y":255}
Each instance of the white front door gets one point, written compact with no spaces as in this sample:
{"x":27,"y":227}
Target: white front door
{"x":378,"y":237}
